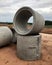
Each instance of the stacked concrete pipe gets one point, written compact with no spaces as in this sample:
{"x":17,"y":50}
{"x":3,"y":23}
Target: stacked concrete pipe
{"x":20,"y":21}
{"x":6,"y":36}
{"x":28,"y":47}
{"x":28,"y":40}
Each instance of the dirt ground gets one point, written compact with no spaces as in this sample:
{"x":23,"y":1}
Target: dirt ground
{"x":47,"y":30}
{"x":8,"y":53}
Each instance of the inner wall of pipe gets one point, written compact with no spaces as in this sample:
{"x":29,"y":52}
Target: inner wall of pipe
{"x":22,"y":21}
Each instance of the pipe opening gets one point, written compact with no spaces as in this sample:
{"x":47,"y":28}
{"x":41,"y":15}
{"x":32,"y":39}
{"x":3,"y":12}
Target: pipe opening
{"x":22,"y":21}
{"x":30,"y":22}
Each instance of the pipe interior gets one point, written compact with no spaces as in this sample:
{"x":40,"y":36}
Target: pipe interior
{"x":21,"y":21}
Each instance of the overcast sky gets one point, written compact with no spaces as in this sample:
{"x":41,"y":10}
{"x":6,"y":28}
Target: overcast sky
{"x":9,"y":7}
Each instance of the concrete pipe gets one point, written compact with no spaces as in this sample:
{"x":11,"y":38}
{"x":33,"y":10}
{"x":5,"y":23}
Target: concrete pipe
{"x":29,"y":47}
{"x":14,"y":35}
{"x":15,"y":38}
{"x":21,"y":21}
{"x":5,"y":36}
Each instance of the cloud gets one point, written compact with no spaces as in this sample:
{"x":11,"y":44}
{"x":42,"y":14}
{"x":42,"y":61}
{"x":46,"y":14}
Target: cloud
{"x":47,"y":16}
{"x":9,"y":7}
{"x":6,"y":17}
{"x":7,"y":3}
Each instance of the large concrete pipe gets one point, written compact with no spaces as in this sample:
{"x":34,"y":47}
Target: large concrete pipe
{"x":5,"y":36}
{"x":29,"y":47}
{"x":21,"y":18}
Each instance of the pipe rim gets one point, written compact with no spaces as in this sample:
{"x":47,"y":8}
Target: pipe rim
{"x":14,"y":20}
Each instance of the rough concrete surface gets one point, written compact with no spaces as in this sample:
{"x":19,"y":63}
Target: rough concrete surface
{"x":8,"y":54}
{"x":5,"y":35}
{"x":21,"y":21}
{"x":29,"y":47}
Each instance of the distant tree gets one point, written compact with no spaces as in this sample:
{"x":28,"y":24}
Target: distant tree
{"x":47,"y":22}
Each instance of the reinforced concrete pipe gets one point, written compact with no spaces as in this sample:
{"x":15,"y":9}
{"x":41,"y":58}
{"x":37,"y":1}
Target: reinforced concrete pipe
{"x":5,"y":36}
{"x":21,"y":18}
{"x":29,"y":47}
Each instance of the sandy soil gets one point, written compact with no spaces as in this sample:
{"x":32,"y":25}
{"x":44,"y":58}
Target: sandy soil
{"x":8,"y":53}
